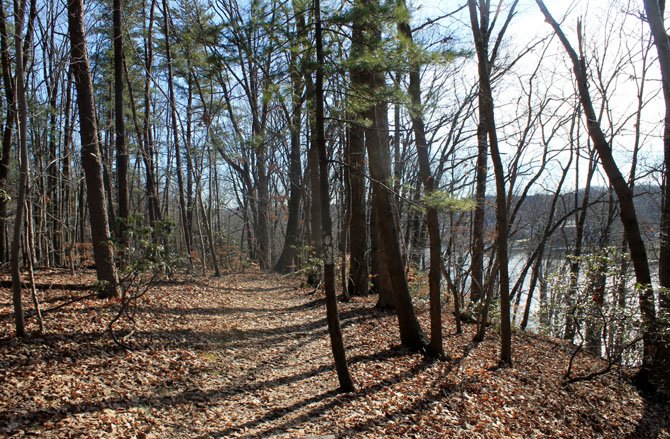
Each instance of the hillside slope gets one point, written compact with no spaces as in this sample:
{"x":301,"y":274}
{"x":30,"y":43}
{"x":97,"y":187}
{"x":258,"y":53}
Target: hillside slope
{"x":248,"y":355}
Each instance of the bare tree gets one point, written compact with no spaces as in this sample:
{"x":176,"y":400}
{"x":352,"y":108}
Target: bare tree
{"x":481,"y":25}
{"x":655,"y":10}
{"x":8,"y":128}
{"x":24,"y":180}
{"x":653,"y":366}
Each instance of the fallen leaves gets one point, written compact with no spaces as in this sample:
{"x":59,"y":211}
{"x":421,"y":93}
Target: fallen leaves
{"x":248,"y":355}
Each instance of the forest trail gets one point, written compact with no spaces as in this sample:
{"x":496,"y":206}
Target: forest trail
{"x":248,"y":355}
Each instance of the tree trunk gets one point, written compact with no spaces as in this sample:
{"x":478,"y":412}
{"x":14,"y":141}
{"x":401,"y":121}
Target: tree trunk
{"x":315,"y":205}
{"x":575,"y":263}
{"x":390,"y":255}
{"x":481,"y":37}
{"x":654,"y":359}
{"x":346,"y":383}
{"x":24,"y":182}
{"x":70,"y":234}
{"x":106,"y":156}
{"x":52,"y":202}
{"x":478,"y":227}
{"x":658,"y":370}
{"x":7,"y":132}
{"x":286,"y":261}
{"x":546,"y":233}
{"x":90,"y":152}
{"x":190,"y":205}
{"x":120,"y":130}
{"x":263,"y":193}
{"x":435,"y":348}
{"x":357,"y":284}
{"x":210,"y":237}
{"x":380,"y":282}
{"x":175,"y":131}
{"x":153,"y":204}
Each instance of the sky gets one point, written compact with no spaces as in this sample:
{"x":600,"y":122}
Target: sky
{"x":610,"y":35}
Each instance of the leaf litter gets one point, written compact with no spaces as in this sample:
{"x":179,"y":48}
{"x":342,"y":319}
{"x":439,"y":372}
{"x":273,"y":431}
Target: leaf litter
{"x":248,"y":355}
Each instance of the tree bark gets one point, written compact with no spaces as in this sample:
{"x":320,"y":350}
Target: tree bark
{"x":357,"y":283}
{"x":575,"y":263}
{"x":24,"y":182}
{"x":377,"y":145}
{"x":103,"y":250}
{"x":315,"y":212}
{"x":175,"y":131}
{"x":655,"y":10}
{"x":480,"y":35}
{"x":8,"y":129}
{"x":52,"y":203}
{"x":435,"y":347}
{"x":380,"y":283}
{"x":478,"y":227}
{"x":287,"y":259}
{"x":337,"y":344}
{"x":120,"y":130}
{"x":153,"y":204}
{"x":652,"y":369}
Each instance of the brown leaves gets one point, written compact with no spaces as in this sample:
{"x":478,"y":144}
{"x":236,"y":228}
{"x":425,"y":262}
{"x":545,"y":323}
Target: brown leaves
{"x":249,"y":355}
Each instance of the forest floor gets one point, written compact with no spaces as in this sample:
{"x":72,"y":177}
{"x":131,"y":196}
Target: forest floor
{"x":248,"y":355}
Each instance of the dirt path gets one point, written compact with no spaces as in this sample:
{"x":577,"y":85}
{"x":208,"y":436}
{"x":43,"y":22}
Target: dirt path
{"x":267,"y":348}
{"x":248,"y":355}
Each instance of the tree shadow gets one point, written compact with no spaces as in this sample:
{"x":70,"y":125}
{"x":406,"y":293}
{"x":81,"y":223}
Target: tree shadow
{"x":53,"y":347}
{"x":50,"y":304}
{"x":252,"y":337}
{"x":312,"y":304}
{"x":655,"y":421}
{"x":336,"y":400}
{"x":226,"y":310}
{"x":393,"y":416}
{"x":257,"y":289}
{"x":199,"y":311}
{"x":204,"y":311}
{"x":77,"y":346}
{"x":445,"y":391}
{"x":191,"y":396}
{"x":40,"y":416}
